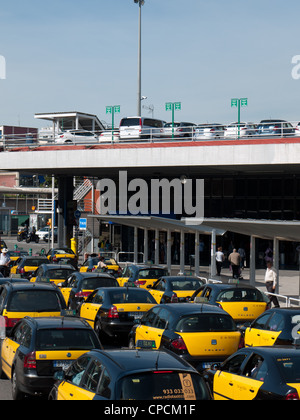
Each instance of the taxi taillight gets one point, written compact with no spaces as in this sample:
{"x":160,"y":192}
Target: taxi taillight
{"x":178,"y":344}
{"x":11,"y":322}
{"x":174,"y":298}
{"x":113,"y":313}
{"x":30,"y":360}
{"x":82,"y":294}
{"x":140,"y":282}
{"x":292,"y":396}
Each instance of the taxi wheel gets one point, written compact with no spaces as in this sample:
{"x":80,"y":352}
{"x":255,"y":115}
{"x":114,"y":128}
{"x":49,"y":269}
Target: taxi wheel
{"x":131,"y":343}
{"x":16,"y":393}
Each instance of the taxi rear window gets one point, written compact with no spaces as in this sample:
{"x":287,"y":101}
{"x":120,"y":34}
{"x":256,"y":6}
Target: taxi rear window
{"x":131,"y":296}
{"x":205,"y":323}
{"x":186,"y":284}
{"x":59,"y":274}
{"x":65,"y":339}
{"x":152,"y":273}
{"x":290,"y":369}
{"x":95,"y":282}
{"x":34,"y":301}
{"x":240,"y":295}
{"x":162,"y":386}
{"x":34,"y":262}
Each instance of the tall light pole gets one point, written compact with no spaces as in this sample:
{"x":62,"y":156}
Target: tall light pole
{"x":139,"y":93}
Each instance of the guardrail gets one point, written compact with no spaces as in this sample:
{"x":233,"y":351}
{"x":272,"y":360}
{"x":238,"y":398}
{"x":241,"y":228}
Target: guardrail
{"x":288,"y":300}
{"x":203,"y":132}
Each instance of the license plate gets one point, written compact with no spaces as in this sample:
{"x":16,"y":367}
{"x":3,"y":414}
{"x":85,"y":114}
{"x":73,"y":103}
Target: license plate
{"x":62,"y":364}
{"x":136,"y":315}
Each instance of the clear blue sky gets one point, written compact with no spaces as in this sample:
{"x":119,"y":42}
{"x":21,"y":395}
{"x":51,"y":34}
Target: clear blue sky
{"x":82,"y":55}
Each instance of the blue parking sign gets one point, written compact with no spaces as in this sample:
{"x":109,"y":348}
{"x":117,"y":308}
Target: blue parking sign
{"x":82,"y":224}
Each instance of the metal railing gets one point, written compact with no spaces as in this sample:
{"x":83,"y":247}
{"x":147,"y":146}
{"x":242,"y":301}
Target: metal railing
{"x":287,"y":299}
{"x":196,"y":133}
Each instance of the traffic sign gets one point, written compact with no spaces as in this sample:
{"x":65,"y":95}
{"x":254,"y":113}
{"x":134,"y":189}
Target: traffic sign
{"x":82,"y":224}
{"x":77,"y":214}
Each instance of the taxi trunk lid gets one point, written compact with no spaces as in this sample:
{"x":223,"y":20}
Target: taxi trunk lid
{"x":212,"y":344}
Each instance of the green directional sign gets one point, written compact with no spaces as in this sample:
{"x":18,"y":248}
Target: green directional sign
{"x":239,"y":103}
{"x":244,"y":102}
{"x":112,"y":110}
{"x":173,"y":106}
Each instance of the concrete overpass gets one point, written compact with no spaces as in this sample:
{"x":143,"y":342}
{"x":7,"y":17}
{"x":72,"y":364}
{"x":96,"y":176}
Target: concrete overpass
{"x":161,"y":159}
{"x":158,"y":159}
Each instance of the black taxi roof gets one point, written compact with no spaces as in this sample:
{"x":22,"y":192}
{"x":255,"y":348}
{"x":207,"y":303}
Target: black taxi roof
{"x":59,"y":322}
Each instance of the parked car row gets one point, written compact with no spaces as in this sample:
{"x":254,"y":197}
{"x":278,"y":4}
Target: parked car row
{"x":141,"y":128}
{"x":188,"y":339}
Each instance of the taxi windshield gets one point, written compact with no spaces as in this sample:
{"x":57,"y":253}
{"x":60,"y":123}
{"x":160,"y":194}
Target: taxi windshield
{"x":240,"y":295}
{"x":34,"y":301}
{"x":163,"y":385}
{"x":131,"y":296}
{"x":65,"y":339}
{"x":290,"y":369}
{"x":205,"y":323}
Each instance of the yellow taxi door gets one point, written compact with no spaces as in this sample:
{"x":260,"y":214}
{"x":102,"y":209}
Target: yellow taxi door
{"x":8,"y":352}
{"x":157,"y":329}
{"x":71,"y":392}
{"x":223,"y":387}
{"x":88,"y":311}
{"x":246,"y":389}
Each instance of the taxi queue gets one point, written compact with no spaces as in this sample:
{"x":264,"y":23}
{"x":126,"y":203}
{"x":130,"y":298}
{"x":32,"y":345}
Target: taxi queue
{"x":210,"y":333}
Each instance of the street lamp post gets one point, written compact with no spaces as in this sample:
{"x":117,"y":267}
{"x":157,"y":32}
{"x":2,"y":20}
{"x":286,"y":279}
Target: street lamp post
{"x":139,"y":93}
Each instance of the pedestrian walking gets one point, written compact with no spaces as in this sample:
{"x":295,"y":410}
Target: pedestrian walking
{"x":219,"y":259}
{"x":271,"y":282}
{"x":235,"y":260}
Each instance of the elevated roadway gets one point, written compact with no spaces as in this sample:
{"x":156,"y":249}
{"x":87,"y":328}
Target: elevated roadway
{"x":158,"y":158}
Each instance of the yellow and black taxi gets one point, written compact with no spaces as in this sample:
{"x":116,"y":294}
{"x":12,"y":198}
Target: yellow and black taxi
{"x":130,"y":375}
{"x":175,"y":289}
{"x":275,"y":327}
{"x":52,"y":273}
{"x":257,"y":373}
{"x":92,"y":262}
{"x":201,"y":334}
{"x":37,"y":348}
{"x":27,"y":265}
{"x":18,"y":300}
{"x":77,"y":288}
{"x":113,"y":311}
{"x":62,"y":255}
{"x":141,"y":275}
{"x":243,"y":302}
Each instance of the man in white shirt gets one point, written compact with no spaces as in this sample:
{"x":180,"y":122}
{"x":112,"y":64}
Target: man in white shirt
{"x":4,"y":262}
{"x":271,"y":283}
{"x":220,"y":259}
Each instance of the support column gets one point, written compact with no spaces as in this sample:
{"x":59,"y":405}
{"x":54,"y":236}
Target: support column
{"x":276,"y":261}
{"x":169,"y":250}
{"x":156,"y":258}
{"x":135,"y":245}
{"x":146,"y":248}
{"x":213,"y":265}
{"x":252,"y":261}
{"x":182,"y":253}
{"x":65,"y":210}
{"x":197,"y":254}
